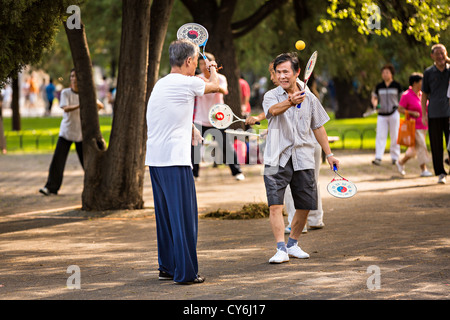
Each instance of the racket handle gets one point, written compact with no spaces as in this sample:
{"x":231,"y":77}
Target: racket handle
{"x":257,"y":122}
{"x":300,"y":105}
{"x":334,"y":167}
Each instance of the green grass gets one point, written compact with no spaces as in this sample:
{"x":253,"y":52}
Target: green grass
{"x":353,"y":133}
{"x":39,"y":135}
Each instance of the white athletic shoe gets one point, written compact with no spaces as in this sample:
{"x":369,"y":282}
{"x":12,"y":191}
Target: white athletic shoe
{"x":426,"y":173}
{"x":318,"y":226}
{"x":279,"y":257}
{"x":400,"y":168}
{"x":442,"y":179}
{"x":287,"y":230}
{"x":296,"y":252}
{"x":240,"y":177}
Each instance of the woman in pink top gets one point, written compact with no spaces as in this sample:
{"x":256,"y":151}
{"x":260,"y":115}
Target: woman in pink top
{"x":410,"y":101}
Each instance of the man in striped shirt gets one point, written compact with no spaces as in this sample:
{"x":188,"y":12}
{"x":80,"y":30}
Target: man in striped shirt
{"x":289,"y":153}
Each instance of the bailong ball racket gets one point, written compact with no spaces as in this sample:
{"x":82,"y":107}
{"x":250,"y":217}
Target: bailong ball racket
{"x":308,"y":71}
{"x":221,"y":116}
{"x":340,"y":187}
{"x":196,"y":33}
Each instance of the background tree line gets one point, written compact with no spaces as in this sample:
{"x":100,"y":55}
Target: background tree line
{"x":127,"y":40}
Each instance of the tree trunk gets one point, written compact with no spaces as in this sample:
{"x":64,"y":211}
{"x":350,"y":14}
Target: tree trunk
{"x":159,"y":21}
{"x":15,"y":123}
{"x":93,"y":143}
{"x":222,"y":45}
{"x":114,"y":177}
{"x":124,"y":170}
{"x":351,"y":104}
{"x":217,"y":19}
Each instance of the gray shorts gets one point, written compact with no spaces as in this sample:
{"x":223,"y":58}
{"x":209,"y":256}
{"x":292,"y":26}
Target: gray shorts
{"x":302,"y":182}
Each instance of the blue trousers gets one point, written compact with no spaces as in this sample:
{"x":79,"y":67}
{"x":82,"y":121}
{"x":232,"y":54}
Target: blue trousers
{"x":176,"y":221}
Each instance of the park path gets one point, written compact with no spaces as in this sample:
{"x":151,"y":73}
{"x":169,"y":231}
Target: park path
{"x":398,"y":226}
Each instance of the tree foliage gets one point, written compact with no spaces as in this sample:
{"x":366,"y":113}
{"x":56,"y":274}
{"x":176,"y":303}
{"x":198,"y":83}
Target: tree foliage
{"x":27,"y":27}
{"x":103,"y":23}
{"x":348,"y":46}
{"x":423,"y":20}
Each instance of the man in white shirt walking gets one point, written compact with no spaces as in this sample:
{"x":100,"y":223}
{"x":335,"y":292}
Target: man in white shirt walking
{"x":69,"y":132}
{"x":170,"y":136}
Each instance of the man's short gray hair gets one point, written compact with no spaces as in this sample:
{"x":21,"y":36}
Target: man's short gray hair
{"x":180,"y":50}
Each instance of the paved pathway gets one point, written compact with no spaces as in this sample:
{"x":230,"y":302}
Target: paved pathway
{"x":395,"y":228}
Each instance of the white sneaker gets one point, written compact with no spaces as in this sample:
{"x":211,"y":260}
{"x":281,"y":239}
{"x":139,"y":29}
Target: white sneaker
{"x":240,"y":177}
{"x":279,"y":257}
{"x":442,"y":179}
{"x":426,"y":173}
{"x":287,"y":230}
{"x":296,"y":252}
{"x":319,"y":226}
{"x":400,"y":168}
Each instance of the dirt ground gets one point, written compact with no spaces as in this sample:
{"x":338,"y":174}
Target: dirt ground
{"x":395,"y":230}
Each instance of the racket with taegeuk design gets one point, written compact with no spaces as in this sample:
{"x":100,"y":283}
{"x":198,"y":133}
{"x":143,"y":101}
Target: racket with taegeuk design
{"x":340,"y":187}
{"x":221,"y":116}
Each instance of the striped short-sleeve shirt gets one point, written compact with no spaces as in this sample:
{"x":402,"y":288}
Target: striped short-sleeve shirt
{"x":290,"y":134}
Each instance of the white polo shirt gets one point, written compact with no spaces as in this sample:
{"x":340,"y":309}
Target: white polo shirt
{"x":169,"y":120}
{"x":70,"y":128}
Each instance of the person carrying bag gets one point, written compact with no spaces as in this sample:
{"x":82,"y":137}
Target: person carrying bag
{"x":407,"y":131}
{"x":412,"y":130}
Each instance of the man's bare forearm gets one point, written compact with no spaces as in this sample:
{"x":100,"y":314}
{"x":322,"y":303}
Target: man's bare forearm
{"x":70,"y":108}
{"x":280,"y":107}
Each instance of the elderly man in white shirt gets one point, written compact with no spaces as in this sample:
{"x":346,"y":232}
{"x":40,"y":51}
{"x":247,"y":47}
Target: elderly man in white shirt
{"x":170,"y":135}
{"x":289,"y":154}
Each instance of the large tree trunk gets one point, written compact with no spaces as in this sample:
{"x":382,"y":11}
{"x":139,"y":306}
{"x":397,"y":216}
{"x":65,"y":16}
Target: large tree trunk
{"x":114,"y":177}
{"x":124,"y":172}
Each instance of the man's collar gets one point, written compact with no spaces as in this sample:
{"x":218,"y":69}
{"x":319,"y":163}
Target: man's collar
{"x":281,"y":91}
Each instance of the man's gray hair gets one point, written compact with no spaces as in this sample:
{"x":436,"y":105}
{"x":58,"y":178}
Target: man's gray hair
{"x":180,"y":50}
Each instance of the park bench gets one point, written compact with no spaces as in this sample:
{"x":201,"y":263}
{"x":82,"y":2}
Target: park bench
{"x":331,"y":140}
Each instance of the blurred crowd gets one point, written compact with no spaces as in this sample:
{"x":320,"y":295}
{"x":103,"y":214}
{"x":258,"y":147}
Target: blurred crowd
{"x":39,"y":94}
